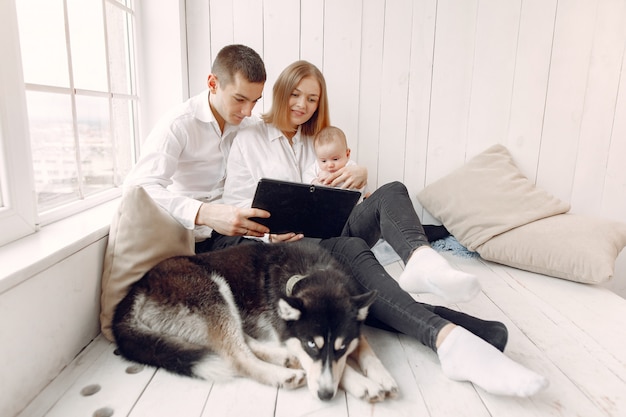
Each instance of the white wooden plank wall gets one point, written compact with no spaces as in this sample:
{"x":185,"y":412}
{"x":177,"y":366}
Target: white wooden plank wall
{"x":421,"y":86}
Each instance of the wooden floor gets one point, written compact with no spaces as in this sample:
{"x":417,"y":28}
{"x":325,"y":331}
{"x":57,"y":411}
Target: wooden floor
{"x":571,"y":333}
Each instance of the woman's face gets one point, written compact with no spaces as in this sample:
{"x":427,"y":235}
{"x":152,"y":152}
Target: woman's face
{"x":303,"y":101}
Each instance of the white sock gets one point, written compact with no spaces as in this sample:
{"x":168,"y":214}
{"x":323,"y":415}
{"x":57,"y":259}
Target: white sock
{"x":466,"y":357}
{"x":428,"y":271}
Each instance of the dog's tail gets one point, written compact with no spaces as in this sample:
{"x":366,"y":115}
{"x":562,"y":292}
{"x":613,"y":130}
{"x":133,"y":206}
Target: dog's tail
{"x":164,"y":349}
{"x":173,"y":355}
{"x":150,"y":349}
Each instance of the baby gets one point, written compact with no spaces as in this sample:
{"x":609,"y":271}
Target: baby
{"x":331,"y":149}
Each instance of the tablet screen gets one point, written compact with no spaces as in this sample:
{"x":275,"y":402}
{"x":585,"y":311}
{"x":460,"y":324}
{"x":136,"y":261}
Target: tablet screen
{"x":313,"y":210}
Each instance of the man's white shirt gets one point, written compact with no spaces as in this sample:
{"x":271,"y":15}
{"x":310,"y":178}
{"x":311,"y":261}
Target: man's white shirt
{"x":183,"y":161}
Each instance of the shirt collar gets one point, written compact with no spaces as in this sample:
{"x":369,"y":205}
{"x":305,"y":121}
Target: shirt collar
{"x":274,"y":133}
{"x":202,"y":110}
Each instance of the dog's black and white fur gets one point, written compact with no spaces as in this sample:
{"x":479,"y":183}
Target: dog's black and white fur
{"x":282,"y":314}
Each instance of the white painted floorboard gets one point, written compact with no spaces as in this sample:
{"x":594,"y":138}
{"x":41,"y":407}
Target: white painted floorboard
{"x":570,"y":332}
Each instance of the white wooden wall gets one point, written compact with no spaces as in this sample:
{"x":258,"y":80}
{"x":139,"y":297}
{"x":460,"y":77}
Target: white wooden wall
{"x":421,"y":86}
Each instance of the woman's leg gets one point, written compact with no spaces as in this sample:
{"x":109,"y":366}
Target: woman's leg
{"x":389,"y":213}
{"x":493,"y":332}
{"x":463,"y":355}
{"x":393,"y":306}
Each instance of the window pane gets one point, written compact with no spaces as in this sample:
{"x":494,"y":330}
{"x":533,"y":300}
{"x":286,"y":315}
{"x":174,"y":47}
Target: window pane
{"x":119,"y":34}
{"x":87,"y":41}
{"x":82,"y":138}
{"x":123,"y":133}
{"x":42,"y":39}
{"x":96,"y":147}
{"x":53,"y":148}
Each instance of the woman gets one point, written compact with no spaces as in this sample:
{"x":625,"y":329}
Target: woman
{"x":282,"y":148}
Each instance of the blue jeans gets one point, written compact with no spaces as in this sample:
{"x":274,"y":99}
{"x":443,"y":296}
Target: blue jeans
{"x":387,"y":213}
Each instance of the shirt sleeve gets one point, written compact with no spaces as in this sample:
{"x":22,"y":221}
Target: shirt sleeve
{"x":155,"y":169}
{"x":240,"y":184}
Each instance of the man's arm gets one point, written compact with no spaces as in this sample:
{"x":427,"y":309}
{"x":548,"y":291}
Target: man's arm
{"x":154,"y":172}
{"x":230,"y":220}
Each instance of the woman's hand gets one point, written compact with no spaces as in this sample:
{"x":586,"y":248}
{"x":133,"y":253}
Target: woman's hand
{"x":232,"y":221}
{"x":350,"y":176}
{"x":285,"y":237}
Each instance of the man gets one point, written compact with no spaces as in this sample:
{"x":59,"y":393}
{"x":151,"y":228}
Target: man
{"x":183,"y":162}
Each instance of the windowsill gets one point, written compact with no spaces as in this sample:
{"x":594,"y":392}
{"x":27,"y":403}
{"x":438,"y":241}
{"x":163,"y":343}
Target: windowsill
{"x":32,"y":254}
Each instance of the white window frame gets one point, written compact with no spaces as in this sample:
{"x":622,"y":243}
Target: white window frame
{"x":18,"y":216}
{"x":161,"y":76}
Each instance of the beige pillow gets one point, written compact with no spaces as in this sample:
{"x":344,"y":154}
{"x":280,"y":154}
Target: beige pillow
{"x":486,"y":197}
{"x":141,"y":235}
{"x":569,"y":246}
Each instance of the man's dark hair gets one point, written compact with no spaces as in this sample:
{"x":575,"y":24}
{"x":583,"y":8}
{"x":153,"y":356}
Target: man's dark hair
{"x":233,"y":59}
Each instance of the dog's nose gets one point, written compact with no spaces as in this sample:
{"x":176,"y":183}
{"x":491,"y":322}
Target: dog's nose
{"x":325,"y":394}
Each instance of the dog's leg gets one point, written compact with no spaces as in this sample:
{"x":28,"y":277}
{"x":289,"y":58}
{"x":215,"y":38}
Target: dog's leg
{"x":227,"y":339}
{"x":232,"y":347}
{"x":360,"y":386}
{"x":273,"y":353}
{"x":376,"y":383}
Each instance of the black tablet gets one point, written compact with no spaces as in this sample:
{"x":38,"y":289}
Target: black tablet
{"x":313,"y":210}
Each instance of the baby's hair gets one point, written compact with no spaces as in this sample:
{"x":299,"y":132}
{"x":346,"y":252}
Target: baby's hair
{"x":331,"y":134}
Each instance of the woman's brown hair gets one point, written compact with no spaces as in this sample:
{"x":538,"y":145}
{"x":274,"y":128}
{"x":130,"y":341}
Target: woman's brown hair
{"x":286,"y":83}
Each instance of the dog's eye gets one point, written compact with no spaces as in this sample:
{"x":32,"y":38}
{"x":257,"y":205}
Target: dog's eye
{"x":311,"y":344}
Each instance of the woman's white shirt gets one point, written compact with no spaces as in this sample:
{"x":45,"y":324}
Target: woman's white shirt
{"x":262,"y":151}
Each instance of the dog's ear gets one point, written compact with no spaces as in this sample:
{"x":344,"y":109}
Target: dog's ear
{"x":363,"y":302}
{"x":290,"y":308}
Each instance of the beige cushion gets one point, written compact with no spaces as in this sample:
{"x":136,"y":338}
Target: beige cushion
{"x":141,"y":235}
{"x":570,"y":246}
{"x":486,"y":197}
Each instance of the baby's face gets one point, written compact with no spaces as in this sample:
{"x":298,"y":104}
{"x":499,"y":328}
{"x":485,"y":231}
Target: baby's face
{"x":331,"y":156}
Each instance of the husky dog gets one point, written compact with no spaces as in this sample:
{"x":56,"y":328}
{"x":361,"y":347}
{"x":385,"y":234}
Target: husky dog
{"x":282,"y":314}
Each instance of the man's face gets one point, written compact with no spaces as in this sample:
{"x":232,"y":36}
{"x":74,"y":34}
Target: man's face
{"x":235,"y":101}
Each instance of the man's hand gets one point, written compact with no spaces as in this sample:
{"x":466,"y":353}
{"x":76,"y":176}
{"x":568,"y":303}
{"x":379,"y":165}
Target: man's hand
{"x":232,"y":221}
{"x":351,"y":176}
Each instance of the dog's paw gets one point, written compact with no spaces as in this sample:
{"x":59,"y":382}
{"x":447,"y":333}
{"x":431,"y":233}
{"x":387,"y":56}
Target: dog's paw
{"x":370,"y":391}
{"x":292,"y":378}
{"x":374,"y":370}
{"x":386,"y":382}
{"x":367,"y":389}
{"x":291,"y":361}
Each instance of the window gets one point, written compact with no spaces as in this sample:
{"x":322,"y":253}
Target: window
{"x":17,"y":214}
{"x":79,"y":75}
